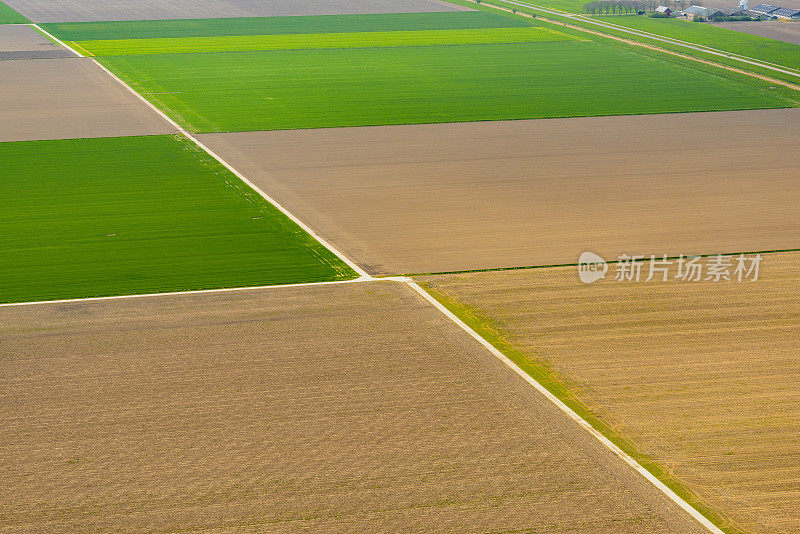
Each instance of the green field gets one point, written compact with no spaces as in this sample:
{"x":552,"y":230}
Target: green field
{"x":305,"y":41}
{"x":744,"y":44}
{"x":376,"y":86}
{"x":114,"y":216}
{"x":155,"y":29}
{"x":9,"y":16}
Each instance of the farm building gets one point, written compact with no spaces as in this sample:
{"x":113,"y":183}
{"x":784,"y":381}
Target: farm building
{"x":731,"y":12}
{"x":764,"y":9}
{"x":700,"y":11}
{"x":664,"y":9}
{"x":786,"y":14}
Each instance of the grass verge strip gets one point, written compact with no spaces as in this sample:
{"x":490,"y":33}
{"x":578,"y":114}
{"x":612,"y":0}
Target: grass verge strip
{"x":544,"y":374}
{"x":754,"y":46}
{"x":557,"y":265}
{"x":620,"y":33}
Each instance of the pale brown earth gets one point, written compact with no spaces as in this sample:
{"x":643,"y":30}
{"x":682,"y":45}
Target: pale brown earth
{"x":447,"y":197}
{"x":704,"y":377}
{"x":782,"y":31}
{"x":103,"y":10}
{"x":354,"y":407}
{"x":719,"y":4}
{"x":67,"y":99}
{"x":23,"y":42}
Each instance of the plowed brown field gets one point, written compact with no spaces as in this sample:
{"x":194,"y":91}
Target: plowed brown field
{"x":69,"y":98}
{"x":354,"y":407}
{"x":448,"y":197}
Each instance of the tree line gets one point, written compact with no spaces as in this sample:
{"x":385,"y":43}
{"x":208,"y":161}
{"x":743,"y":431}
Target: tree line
{"x":612,"y":7}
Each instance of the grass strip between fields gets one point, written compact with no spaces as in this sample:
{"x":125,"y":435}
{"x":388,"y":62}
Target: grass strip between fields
{"x":238,"y":43}
{"x":161,"y":29}
{"x":134,"y":215}
{"x":573,"y":264}
{"x":705,"y":56}
{"x":567,"y":393}
{"x":754,"y":46}
{"x":10,"y":16}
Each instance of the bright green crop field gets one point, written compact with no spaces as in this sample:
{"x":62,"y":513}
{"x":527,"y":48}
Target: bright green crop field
{"x":155,"y":29}
{"x":9,"y":16}
{"x":305,"y":41}
{"x":237,"y":91}
{"x":744,"y":44}
{"x":115,"y":216}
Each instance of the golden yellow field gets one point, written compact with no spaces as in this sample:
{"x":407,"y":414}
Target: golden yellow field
{"x":703,"y":377}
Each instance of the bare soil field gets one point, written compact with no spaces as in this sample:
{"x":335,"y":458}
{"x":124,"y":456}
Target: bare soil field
{"x":354,"y":407}
{"x":103,"y":10}
{"x":447,"y":197}
{"x":782,"y":31}
{"x":68,"y":99}
{"x":703,"y":377}
{"x":719,"y":4}
{"x":23,"y":42}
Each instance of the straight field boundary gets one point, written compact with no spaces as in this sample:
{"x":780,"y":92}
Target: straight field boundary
{"x":200,"y":292}
{"x":53,"y":39}
{"x":361,"y":273}
{"x":651,"y":34}
{"x":365,"y":277}
{"x":610,"y":262}
{"x":569,"y":412}
{"x":655,"y":37}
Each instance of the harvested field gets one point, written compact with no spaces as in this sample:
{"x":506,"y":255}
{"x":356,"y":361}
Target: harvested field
{"x":66,"y":99}
{"x":162,"y":29}
{"x":780,"y":31}
{"x":101,"y":10}
{"x":703,"y":377}
{"x":294,"y":89}
{"x":23,"y":42}
{"x":791,"y":4}
{"x":128,"y":215}
{"x":433,"y":198}
{"x":354,"y":407}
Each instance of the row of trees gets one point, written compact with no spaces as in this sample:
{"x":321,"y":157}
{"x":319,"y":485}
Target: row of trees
{"x":612,"y":7}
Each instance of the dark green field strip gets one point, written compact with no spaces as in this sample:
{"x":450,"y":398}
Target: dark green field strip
{"x":378,"y":86}
{"x":306,"y":41}
{"x":9,"y":16}
{"x":115,"y":216}
{"x":153,"y":29}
